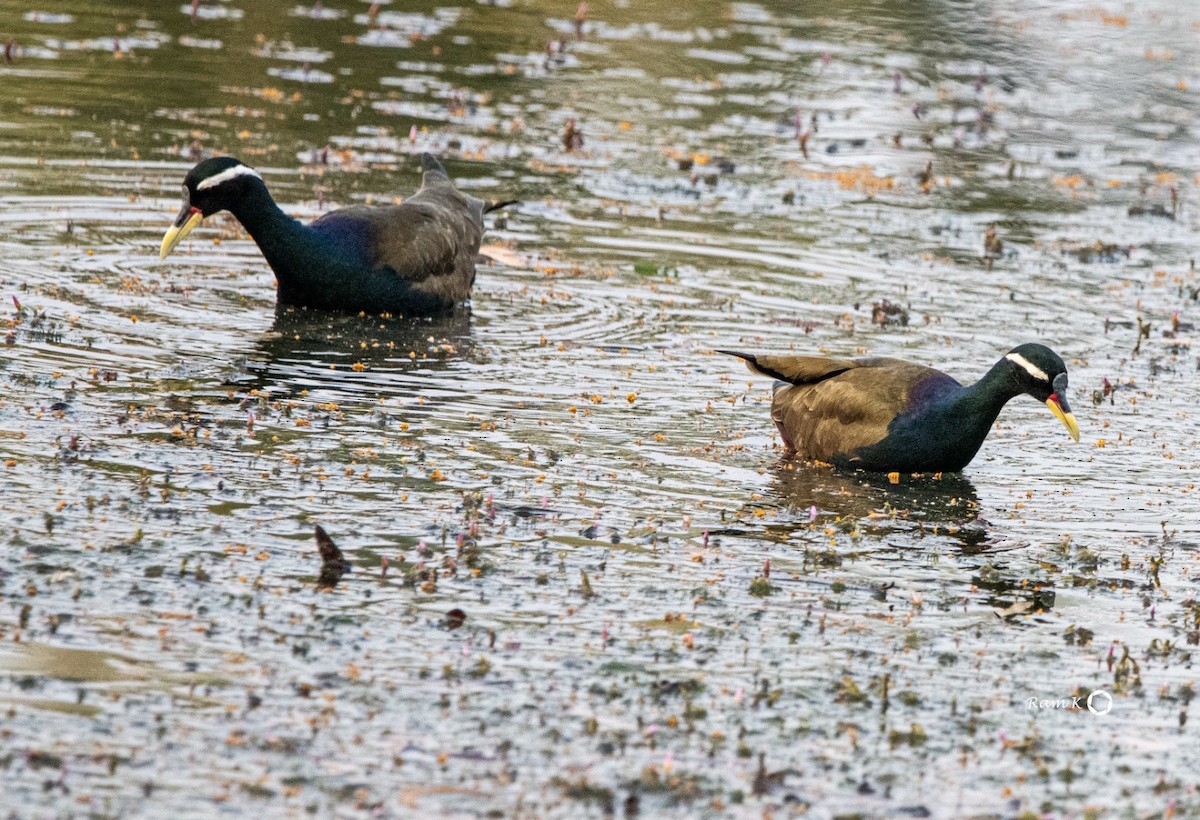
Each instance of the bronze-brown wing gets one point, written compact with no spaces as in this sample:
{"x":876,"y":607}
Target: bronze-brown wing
{"x":851,"y":408}
{"x":420,"y":239}
{"x":430,"y":240}
{"x":431,"y":235}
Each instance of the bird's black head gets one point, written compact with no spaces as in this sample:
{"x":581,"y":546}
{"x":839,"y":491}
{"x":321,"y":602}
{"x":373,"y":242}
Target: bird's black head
{"x":1036,"y":369}
{"x":1042,"y":374}
{"x":215,"y":182}
{"x":209,"y":187}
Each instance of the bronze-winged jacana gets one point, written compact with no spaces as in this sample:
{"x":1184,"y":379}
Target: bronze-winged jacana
{"x":415,"y":258}
{"x":891,"y":415}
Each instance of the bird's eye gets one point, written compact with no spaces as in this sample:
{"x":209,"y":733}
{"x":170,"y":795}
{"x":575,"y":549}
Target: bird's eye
{"x":186,"y":194}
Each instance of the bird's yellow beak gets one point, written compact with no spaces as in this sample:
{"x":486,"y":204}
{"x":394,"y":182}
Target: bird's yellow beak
{"x":1059,"y":407}
{"x":188,"y":218}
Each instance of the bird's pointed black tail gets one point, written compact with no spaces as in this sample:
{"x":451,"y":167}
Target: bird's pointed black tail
{"x":496,"y":204}
{"x":752,"y":363}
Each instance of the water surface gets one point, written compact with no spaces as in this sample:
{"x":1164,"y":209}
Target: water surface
{"x":663,"y":614}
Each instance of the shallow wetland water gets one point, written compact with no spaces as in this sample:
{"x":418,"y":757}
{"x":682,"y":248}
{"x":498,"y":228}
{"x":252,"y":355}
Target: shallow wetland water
{"x":657,"y":613}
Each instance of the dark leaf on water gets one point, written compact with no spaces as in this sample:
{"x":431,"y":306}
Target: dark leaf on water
{"x":333,"y":563}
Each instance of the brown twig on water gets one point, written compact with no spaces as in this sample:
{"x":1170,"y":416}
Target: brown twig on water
{"x":580,"y":19}
{"x":993,"y":245}
{"x":572,"y":136}
{"x":1143,"y":333}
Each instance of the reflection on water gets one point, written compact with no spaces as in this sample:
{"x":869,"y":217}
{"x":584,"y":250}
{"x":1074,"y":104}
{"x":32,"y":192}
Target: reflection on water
{"x":945,"y":505}
{"x":369,"y":355}
{"x":1012,"y":595}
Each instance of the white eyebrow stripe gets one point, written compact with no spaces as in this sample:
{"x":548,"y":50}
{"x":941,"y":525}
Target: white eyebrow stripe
{"x":1030,"y":368}
{"x":226,"y":175}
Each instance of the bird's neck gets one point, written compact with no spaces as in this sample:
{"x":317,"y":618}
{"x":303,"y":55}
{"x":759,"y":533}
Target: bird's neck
{"x":977,"y":406}
{"x":284,"y":241}
{"x":960,"y":418}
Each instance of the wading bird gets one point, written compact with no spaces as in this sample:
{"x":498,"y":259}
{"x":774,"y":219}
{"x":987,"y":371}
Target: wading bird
{"x":415,"y":258}
{"x":891,"y":415}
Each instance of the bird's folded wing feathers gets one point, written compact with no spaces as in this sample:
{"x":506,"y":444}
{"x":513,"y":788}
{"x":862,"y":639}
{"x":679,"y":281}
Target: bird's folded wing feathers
{"x":839,"y":414}
{"x":424,"y":241}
